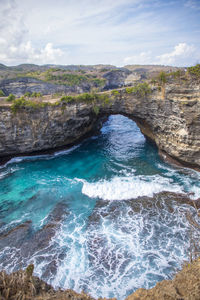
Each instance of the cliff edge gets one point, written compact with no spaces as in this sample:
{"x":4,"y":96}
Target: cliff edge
{"x":22,"y":285}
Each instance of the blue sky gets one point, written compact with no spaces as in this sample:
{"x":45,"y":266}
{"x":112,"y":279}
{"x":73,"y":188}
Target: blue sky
{"x":118,"y":32}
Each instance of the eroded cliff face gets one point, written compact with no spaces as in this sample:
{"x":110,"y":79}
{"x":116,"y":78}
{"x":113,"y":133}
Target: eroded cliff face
{"x":172,"y":121}
{"x":170,"y":117}
{"x":49,"y":127}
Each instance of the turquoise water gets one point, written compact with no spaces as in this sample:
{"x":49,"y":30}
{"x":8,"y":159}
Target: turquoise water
{"x":109,"y":242}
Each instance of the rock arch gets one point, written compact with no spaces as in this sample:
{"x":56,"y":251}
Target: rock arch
{"x":172,"y":123}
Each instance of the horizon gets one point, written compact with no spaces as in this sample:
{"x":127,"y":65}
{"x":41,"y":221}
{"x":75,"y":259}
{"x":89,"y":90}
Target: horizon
{"x":91,"y":65}
{"x":88,"y":32}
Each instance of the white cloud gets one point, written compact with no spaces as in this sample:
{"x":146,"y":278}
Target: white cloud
{"x":27,"y":53}
{"x":181,"y":53}
{"x":14,"y":46}
{"x":93,"y":31}
{"x":141,"y":59}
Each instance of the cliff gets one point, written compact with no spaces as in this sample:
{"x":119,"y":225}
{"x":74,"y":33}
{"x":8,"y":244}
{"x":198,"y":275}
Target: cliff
{"x":52,"y":79}
{"x":185,"y":285}
{"x":22,"y":285}
{"x":169,"y":116}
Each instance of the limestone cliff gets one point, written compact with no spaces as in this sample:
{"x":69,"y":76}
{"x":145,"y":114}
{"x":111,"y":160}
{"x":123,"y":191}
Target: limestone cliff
{"x":171,"y":118}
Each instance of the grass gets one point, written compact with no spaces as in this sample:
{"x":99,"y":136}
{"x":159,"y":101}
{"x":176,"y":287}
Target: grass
{"x":194,"y":71}
{"x":115,"y":92}
{"x":96,"y":99}
{"x":92,"y":98}
{"x":162,"y":78}
{"x":10,"y":98}
{"x":23,"y":103}
{"x":2,"y":93}
{"x":87,"y":98}
{"x":141,"y":89}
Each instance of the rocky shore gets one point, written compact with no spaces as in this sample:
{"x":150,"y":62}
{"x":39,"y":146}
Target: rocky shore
{"x":23,"y":285}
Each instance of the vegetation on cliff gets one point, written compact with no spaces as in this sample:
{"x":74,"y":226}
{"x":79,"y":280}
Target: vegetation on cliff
{"x":23,"y":103}
{"x":50,"y":79}
{"x":93,"y":98}
{"x":2,"y":93}
{"x":195,"y":70}
{"x":22,"y":285}
{"x":141,"y":89}
{"x":86,"y":97}
{"x":10,"y":98}
{"x":180,"y":76}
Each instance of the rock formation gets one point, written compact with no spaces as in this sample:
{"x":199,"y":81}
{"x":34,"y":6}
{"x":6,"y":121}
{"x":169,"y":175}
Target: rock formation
{"x":185,"y":285}
{"x":22,"y":285}
{"x":171,"y":120}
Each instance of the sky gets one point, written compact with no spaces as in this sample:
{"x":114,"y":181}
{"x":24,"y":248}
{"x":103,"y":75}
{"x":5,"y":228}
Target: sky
{"x":117,"y":32}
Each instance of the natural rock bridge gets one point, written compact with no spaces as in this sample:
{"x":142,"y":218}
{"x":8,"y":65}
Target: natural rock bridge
{"x":171,"y":120}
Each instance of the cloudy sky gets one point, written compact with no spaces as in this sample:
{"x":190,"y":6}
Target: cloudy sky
{"x":117,"y":32}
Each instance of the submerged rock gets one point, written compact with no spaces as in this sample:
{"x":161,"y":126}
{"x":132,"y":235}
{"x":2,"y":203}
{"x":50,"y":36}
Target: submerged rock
{"x":16,"y":236}
{"x":126,"y":237}
{"x":21,"y":243}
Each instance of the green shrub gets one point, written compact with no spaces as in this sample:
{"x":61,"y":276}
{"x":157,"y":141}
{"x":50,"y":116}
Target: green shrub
{"x":23,"y":103}
{"x":67,"y":99}
{"x":141,"y":89}
{"x":162,"y":77}
{"x":129,"y":90}
{"x":2,"y":93}
{"x":10,"y":98}
{"x":27,"y":94}
{"x":153,"y":81}
{"x":115,"y":92}
{"x":86,"y":97}
{"x":177,"y":74}
{"x":17,"y":104}
{"x":96,"y":109}
{"x":36,"y":95}
{"x":195,"y":70}
{"x":99,"y":82}
{"x":69,"y":79}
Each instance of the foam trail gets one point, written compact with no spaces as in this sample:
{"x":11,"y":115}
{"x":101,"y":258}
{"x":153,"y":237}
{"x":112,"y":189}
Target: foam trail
{"x":19,"y":159}
{"x":124,"y":188}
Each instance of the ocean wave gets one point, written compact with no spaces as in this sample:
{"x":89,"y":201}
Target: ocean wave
{"x":125,"y":188}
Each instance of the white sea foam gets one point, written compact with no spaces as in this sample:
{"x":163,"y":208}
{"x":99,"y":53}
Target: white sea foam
{"x":124,"y":188}
{"x":19,"y":159}
{"x":6,"y":173}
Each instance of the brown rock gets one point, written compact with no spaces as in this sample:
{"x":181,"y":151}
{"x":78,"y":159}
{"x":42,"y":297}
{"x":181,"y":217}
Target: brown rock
{"x":184,"y":286}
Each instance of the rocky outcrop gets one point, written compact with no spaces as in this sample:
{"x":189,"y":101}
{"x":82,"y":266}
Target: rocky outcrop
{"x":17,"y":83}
{"x":20,"y":86}
{"x":49,"y":127}
{"x":170,"y":117}
{"x":116,"y":78}
{"x":22,"y":285}
{"x":185,"y":285}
